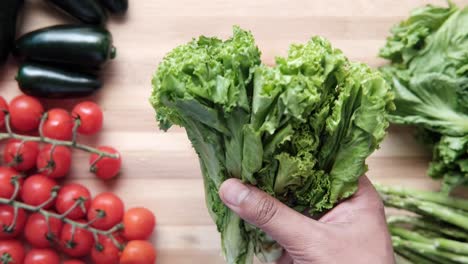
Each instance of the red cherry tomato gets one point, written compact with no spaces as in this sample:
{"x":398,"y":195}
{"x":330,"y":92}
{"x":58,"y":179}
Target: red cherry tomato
{"x":110,"y":207}
{"x":3,"y":109}
{"x":40,"y":234}
{"x":7,"y":175}
{"x":106,"y":168}
{"x":138,"y":224}
{"x":7,"y":216}
{"x":138,"y":252}
{"x":21,"y":155}
{"x":90,"y":116}
{"x":73,"y":261}
{"x":42,"y":256}
{"x":37,"y":189}
{"x":25,"y":113}
{"x":78,"y":245}
{"x":67,"y":197}
{"x":13,"y":250}
{"x":59,"y":125}
{"x":105,"y":252}
{"x":54,"y":162}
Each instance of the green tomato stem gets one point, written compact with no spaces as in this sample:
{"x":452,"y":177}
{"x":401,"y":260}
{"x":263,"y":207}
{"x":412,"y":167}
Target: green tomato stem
{"x":20,"y":205}
{"x":11,"y":135}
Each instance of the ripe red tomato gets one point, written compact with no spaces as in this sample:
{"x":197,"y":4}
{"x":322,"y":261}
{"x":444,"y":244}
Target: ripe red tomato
{"x":73,"y":261}
{"x":106,"y":168}
{"x":37,"y":189}
{"x":6,"y":182}
{"x":25,"y":113}
{"x":22,"y":156}
{"x":106,"y":253}
{"x":59,"y":125}
{"x":40,"y":234}
{"x":108,"y":204}
{"x":138,"y":252}
{"x":55,"y":165}
{"x":42,"y":256}
{"x":138,"y":224}
{"x":67,"y":197}
{"x":3,"y":109}
{"x":7,"y":215}
{"x":12,"y":250}
{"x":78,"y":245}
{"x":90,"y":116}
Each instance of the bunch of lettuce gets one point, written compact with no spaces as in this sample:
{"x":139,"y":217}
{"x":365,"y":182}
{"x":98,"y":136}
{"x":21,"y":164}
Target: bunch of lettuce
{"x":300,"y":130}
{"x":429,"y":76}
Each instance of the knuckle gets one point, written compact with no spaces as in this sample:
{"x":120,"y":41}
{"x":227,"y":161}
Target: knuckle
{"x":265,"y":211}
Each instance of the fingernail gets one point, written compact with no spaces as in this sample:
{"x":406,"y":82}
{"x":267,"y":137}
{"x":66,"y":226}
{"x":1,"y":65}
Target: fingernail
{"x":233,"y":192}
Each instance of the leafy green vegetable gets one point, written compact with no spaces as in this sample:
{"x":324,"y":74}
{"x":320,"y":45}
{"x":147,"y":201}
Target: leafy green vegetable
{"x":429,"y":76}
{"x":300,"y":130}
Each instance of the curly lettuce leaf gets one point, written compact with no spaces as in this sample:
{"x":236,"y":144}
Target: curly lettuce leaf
{"x":300,"y":130}
{"x":428,"y":74}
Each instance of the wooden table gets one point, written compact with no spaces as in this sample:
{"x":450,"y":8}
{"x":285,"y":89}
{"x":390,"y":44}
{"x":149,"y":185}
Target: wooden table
{"x":161,"y":170}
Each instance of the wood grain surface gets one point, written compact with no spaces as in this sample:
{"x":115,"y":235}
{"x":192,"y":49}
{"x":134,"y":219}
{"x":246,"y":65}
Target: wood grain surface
{"x":160,"y":170}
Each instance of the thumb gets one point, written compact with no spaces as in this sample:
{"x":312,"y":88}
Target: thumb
{"x":282,"y":223}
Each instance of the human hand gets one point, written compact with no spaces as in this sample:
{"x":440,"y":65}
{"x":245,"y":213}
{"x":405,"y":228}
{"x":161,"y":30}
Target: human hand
{"x":355,"y":231}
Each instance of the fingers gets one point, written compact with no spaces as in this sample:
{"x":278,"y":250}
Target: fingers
{"x":260,"y":209}
{"x":367,"y":195}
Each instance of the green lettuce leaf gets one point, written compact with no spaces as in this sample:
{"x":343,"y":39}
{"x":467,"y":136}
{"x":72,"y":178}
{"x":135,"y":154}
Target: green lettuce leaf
{"x":428,"y":73}
{"x":300,"y":130}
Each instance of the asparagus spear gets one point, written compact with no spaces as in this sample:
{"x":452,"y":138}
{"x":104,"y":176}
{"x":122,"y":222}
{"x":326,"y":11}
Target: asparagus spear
{"x":434,"y":197}
{"x":430,"y":225}
{"x":429,"y":250}
{"x":452,"y":216}
{"x":412,"y":257}
{"x":439,"y":243}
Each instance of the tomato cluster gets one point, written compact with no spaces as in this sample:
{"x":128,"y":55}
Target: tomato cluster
{"x":27,"y":115}
{"x":63,"y":221}
{"x":48,"y":234}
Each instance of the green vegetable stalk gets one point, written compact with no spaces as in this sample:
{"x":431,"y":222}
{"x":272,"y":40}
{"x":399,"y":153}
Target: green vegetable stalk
{"x":429,"y":76}
{"x":438,"y":233}
{"x":300,"y":130}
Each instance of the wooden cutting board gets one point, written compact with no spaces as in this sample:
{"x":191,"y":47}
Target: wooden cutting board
{"x":160,"y":169}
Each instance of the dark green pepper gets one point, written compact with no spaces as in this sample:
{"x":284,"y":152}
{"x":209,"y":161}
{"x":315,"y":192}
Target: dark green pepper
{"x":67,"y":44}
{"x":87,"y":11}
{"x":8,"y":15}
{"x":54,"y":82}
{"x":118,"y":7}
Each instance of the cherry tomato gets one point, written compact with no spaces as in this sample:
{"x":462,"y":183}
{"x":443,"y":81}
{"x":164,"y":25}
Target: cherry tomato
{"x":7,"y":188}
{"x":105,"y":252}
{"x":138,"y":252}
{"x":3,"y":109}
{"x":138,"y":224}
{"x":106,"y":168}
{"x":67,"y":197}
{"x":37,"y":189}
{"x":7,"y":216}
{"x":11,"y":251}
{"x":110,"y":207}
{"x":59,"y":125}
{"x":73,"y":261}
{"x":22,"y":155}
{"x":79,"y":245}
{"x":90,"y":116}
{"x":56,"y":164}
{"x":42,"y":256}
{"x":25,"y":113}
{"x":40,"y":234}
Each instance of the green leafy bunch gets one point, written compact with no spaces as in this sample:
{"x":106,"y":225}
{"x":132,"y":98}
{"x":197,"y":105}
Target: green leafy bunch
{"x":300,"y":130}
